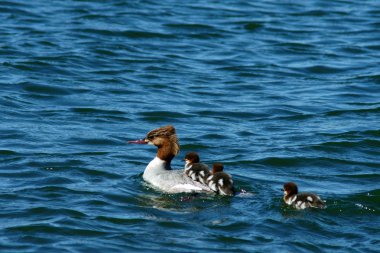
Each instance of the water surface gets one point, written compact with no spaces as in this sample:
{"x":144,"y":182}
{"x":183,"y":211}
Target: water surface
{"x":277,"y":91}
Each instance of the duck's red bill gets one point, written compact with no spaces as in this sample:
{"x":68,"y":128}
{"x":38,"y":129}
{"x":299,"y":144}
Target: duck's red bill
{"x":138,"y":142}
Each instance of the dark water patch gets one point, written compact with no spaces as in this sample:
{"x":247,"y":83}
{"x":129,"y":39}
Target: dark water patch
{"x":20,"y":173}
{"x":316,"y":13}
{"x":95,"y":141}
{"x":354,"y":111}
{"x":110,"y":72}
{"x":353,"y":50}
{"x":54,"y":180}
{"x":48,"y":43}
{"x":12,"y":4}
{"x":342,"y":145}
{"x":7,"y":152}
{"x":122,"y":221}
{"x":43,"y":89}
{"x":101,"y":174}
{"x":306,"y":161}
{"x":18,"y":10}
{"x":96,"y":111}
{"x":371,"y":78}
{"x":51,"y":212}
{"x":374,"y":133}
{"x":229,"y":114}
{"x":165,"y":116}
{"x":214,"y":136}
{"x":252,"y":26}
{"x":238,"y":226}
{"x":94,"y":203}
{"x":191,"y":27}
{"x":172,"y":225}
{"x":119,"y":91}
{"x":322,"y":69}
{"x":206,"y":36}
{"x":57,"y":190}
{"x":91,"y":153}
{"x":57,"y":165}
{"x":353,"y":135}
{"x":37,"y":66}
{"x":47,"y":229}
{"x":33,"y":239}
{"x":132,"y":34}
{"x":296,"y":117}
{"x":231,"y":240}
{"x":281,"y":162}
{"x":194,"y":146}
{"x":83,"y":14}
{"x":105,"y":52}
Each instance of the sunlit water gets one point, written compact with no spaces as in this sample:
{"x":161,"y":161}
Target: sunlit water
{"x":276,"y":90}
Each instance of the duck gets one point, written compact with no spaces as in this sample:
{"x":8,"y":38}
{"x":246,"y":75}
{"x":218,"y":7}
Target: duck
{"x":300,"y":200}
{"x":220,"y":182}
{"x":159,"y":172}
{"x":195,"y":169}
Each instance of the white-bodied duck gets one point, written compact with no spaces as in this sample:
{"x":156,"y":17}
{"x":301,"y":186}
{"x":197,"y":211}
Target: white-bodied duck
{"x":159,"y":172}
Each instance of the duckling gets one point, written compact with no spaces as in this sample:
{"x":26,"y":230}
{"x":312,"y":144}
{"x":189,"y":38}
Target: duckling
{"x":220,"y":182}
{"x":194,"y":169}
{"x":301,"y":200}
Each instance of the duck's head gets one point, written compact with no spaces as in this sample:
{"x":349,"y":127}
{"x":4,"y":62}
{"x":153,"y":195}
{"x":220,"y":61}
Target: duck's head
{"x":165,"y":139}
{"x":217,"y":167}
{"x":191,"y":157}
{"x":290,"y":189}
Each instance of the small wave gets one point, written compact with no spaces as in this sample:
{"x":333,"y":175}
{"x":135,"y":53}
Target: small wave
{"x":18,"y":9}
{"x":192,"y":27}
{"x":99,"y":173}
{"x":165,"y":116}
{"x":44,"y":89}
{"x":323,"y":69}
{"x":356,"y":204}
{"x":121,"y":220}
{"x":47,"y":228}
{"x":129,"y":33}
{"x":229,"y":114}
{"x":95,"y":141}
{"x":347,"y":144}
{"x":7,"y":152}
{"x":354,"y":111}
{"x":96,"y":111}
{"x":53,"y":212}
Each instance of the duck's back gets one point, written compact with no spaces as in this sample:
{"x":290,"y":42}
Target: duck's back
{"x":164,"y":178}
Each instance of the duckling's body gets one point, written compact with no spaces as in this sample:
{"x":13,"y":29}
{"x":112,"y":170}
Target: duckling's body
{"x":196,"y":170}
{"x":220,"y":182}
{"x":301,"y":200}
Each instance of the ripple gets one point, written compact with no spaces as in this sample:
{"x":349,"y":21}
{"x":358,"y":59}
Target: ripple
{"x":323,"y":69}
{"x":121,"y":221}
{"x":353,"y":111}
{"x":95,"y":111}
{"x":129,"y":33}
{"x":7,"y":152}
{"x":165,"y":116}
{"x":53,"y":230}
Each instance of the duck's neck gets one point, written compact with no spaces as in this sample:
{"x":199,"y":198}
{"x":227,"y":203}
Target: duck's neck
{"x":166,"y":152}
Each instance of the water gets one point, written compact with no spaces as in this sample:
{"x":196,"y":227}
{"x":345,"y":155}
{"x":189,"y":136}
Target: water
{"x":276,"y":90}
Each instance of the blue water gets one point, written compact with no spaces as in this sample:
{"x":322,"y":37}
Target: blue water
{"x":275,"y":90}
